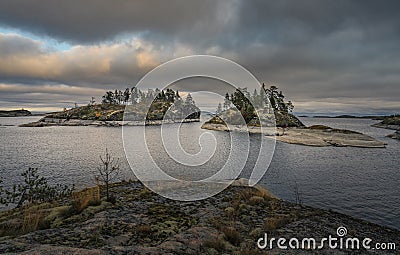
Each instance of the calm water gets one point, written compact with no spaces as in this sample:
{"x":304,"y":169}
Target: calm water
{"x":360,"y":182}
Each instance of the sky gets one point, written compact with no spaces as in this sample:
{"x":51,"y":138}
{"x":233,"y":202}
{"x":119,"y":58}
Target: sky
{"x":334,"y":57}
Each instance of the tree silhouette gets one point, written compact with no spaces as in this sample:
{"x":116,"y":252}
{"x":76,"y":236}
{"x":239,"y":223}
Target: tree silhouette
{"x":108,"y":171}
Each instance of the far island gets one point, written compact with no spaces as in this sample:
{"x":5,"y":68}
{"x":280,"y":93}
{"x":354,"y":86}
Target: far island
{"x":268,"y":110}
{"x":131,"y":107}
{"x":15,"y":113}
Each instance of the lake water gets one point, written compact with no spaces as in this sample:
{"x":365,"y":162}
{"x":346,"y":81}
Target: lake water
{"x":361,"y":182}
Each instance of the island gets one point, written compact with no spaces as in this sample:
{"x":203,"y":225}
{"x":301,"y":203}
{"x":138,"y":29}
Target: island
{"x":132,"y":108}
{"x":267,"y":113}
{"x":390,"y":122}
{"x":15,"y":113}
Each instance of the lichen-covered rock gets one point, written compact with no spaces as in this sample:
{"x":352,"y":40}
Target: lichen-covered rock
{"x":152,"y":224}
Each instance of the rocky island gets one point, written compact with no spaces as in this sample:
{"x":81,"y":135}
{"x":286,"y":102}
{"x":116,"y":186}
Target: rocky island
{"x":390,"y":122}
{"x":135,"y":108}
{"x":142,"y":222}
{"x":15,"y":113}
{"x":275,"y":120}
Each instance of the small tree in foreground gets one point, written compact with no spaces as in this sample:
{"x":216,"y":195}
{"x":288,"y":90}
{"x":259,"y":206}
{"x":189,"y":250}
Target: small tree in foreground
{"x":34,"y":189}
{"x":108,"y":170}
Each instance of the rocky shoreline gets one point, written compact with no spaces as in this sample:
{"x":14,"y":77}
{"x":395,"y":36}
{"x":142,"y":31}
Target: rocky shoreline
{"x":51,"y":122}
{"x":141,"y":222}
{"x":312,"y":136}
{"x":386,"y":126}
{"x":395,"y":135}
{"x":390,"y":122}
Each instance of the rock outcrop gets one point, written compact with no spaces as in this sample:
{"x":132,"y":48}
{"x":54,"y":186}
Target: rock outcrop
{"x":320,"y":135}
{"x":141,"y":222}
{"x":317,"y":135}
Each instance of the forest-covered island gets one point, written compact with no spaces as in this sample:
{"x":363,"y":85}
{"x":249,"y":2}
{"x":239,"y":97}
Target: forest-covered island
{"x":137,"y":107}
{"x":262,"y":111}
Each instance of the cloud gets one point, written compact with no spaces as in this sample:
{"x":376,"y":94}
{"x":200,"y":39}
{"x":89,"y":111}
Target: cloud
{"x":103,"y":64}
{"x":15,"y":45}
{"x":90,"y":21}
{"x":315,"y":51}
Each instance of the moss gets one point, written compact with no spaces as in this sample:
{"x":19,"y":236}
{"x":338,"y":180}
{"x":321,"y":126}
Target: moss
{"x":56,"y":215}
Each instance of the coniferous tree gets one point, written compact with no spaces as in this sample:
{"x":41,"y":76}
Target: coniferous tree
{"x":219,"y":109}
{"x":127,"y":94}
{"x":227,"y":102}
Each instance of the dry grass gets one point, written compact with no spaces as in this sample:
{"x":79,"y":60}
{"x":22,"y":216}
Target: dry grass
{"x":251,"y":192}
{"x":26,"y":220}
{"x":83,"y":199}
{"x":34,"y":219}
{"x":275,"y":223}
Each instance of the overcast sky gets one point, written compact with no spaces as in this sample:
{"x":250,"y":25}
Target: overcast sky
{"x":327,"y":56}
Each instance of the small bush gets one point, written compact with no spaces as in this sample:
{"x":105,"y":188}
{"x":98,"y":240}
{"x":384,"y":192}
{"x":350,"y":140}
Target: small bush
{"x":143,"y":230}
{"x":275,"y":223}
{"x":230,"y":212}
{"x":231,"y":235}
{"x":256,"y":200}
{"x":33,"y":190}
{"x":216,"y":244}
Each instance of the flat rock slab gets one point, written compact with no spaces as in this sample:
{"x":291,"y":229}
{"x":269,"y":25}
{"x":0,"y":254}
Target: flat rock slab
{"x":307,"y":136}
{"x":332,"y":137}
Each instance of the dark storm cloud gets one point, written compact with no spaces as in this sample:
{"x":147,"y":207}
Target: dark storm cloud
{"x":90,"y":21}
{"x":315,"y":50}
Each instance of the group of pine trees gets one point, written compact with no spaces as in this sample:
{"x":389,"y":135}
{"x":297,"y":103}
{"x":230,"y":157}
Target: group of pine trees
{"x":158,"y":100}
{"x":266,"y":97}
{"x":134,"y":96}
